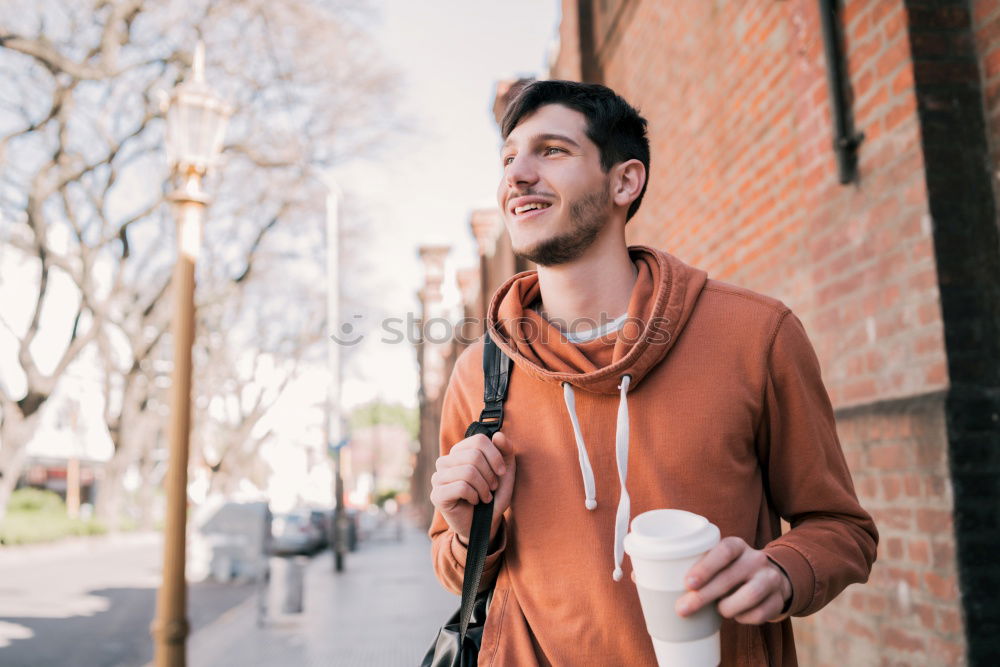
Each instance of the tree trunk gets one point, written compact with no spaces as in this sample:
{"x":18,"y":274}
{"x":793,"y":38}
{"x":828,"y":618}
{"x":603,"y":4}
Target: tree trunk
{"x":215,"y":482}
{"x":108,"y":505}
{"x":231,"y":484}
{"x":147,"y":493}
{"x":8,"y":482}
{"x":130,"y":438}
{"x":16,"y":432}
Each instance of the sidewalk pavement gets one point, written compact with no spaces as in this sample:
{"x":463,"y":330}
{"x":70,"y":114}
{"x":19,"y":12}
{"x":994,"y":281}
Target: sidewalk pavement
{"x":384,"y":609}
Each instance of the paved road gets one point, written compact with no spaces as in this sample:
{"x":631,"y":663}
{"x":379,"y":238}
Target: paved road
{"x":90,"y":602}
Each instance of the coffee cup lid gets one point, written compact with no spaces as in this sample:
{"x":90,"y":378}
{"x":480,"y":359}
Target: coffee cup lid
{"x":668,"y":534}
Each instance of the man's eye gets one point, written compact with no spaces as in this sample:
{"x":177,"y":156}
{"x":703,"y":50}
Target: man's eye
{"x":550,"y":149}
{"x":507,"y":160}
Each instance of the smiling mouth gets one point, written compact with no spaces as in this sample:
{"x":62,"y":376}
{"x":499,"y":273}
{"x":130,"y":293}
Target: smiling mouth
{"x":529,"y":208}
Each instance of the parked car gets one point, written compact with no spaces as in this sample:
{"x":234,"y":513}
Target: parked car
{"x":295,"y":533}
{"x":230,"y":540}
{"x":323,"y":520}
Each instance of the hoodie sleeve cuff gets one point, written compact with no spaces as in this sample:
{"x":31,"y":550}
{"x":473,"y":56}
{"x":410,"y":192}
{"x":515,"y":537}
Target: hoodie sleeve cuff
{"x":460,"y":551}
{"x":800,"y":574}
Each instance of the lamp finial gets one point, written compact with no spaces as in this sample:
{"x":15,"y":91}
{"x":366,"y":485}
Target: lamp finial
{"x":199,"y":62}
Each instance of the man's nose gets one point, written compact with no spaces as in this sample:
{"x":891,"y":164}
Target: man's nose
{"x":520,"y":171}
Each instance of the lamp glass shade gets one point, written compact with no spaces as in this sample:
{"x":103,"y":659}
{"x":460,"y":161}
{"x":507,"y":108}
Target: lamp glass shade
{"x":196,"y":126}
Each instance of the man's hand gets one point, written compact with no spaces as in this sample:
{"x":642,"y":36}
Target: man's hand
{"x":474,"y":471}
{"x":755,"y":589}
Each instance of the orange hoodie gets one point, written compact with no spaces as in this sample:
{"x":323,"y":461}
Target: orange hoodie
{"x":709,"y":399}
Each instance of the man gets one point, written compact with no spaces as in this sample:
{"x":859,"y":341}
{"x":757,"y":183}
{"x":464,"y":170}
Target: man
{"x":693,"y":395}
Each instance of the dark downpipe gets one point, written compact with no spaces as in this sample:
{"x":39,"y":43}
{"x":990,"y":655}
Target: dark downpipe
{"x":845,"y":140}
{"x":590,"y":68}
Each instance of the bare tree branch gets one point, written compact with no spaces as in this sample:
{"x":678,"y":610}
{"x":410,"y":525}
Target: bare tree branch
{"x":43,"y":50}
{"x":82,"y":175}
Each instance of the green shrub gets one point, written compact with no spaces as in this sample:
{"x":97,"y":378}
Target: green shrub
{"x":382,"y":496}
{"x":36,"y":500}
{"x":34,"y":515}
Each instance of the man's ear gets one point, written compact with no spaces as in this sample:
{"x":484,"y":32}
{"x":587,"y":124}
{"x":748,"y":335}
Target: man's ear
{"x":629,"y":177}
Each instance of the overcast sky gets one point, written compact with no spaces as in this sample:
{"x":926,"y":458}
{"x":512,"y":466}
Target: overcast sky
{"x":450,"y":54}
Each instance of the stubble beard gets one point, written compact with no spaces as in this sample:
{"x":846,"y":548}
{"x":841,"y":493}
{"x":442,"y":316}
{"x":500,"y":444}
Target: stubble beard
{"x":587,"y":217}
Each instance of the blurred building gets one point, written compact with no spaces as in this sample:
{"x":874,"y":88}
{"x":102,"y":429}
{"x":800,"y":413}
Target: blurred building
{"x":436,"y":358}
{"x":377,"y":461}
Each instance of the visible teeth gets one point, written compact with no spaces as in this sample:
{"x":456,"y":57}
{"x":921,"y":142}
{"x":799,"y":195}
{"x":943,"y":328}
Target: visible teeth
{"x":530,"y":207}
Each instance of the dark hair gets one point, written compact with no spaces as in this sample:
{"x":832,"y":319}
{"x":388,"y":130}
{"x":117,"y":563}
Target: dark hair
{"x":612,"y":123}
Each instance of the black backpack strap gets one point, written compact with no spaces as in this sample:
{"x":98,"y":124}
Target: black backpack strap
{"x":496,"y":376}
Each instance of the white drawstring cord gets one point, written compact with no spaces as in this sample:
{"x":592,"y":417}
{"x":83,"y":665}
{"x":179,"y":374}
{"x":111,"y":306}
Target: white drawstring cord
{"x":621,"y":454}
{"x":588,"y":473}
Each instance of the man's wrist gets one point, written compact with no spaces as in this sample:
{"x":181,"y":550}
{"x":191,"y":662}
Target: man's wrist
{"x":495,"y":539}
{"x":787,"y":591}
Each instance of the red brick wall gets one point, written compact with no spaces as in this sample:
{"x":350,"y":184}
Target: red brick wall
{"x":908,"y":613}
{"x":743,"y":180}
{"x":743,"y":183}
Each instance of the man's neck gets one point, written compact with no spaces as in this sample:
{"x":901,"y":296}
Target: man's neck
{"x":596,"y":287}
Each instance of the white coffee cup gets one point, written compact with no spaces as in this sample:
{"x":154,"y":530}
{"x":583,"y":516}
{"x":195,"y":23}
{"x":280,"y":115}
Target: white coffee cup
{"x":663,"y":545}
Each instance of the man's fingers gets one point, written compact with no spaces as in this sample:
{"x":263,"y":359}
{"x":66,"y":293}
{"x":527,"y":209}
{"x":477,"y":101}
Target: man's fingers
{"x":493,"y":456}
{"x":470,"y":457}
{"x":759,"y":588}
{"x":485,"y":448}
{"x":447,"y":495}
{"x":506,"y":449}
{"x":715,"y":560}
{"x":472,"y":442}
{"x":502,"y":443}
{"x":770,"y":608}
{"x":733,"y":575}
{"x":464,"y":473}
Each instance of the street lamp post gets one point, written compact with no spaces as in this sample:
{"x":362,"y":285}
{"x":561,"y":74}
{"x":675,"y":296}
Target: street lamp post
{"x":334,"y":419}
{"x":196,"y":122}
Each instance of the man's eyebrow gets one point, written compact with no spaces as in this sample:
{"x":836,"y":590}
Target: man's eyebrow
{"x":549,"y":136}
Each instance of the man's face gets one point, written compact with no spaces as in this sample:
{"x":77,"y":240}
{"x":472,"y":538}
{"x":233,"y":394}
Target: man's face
{"x":554,"y":196}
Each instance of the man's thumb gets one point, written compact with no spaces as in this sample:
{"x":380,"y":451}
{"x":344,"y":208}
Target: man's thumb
{"x":503,"y":444}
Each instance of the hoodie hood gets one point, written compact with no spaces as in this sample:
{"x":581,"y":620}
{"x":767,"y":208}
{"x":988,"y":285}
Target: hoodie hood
{"x":665,"y":293}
